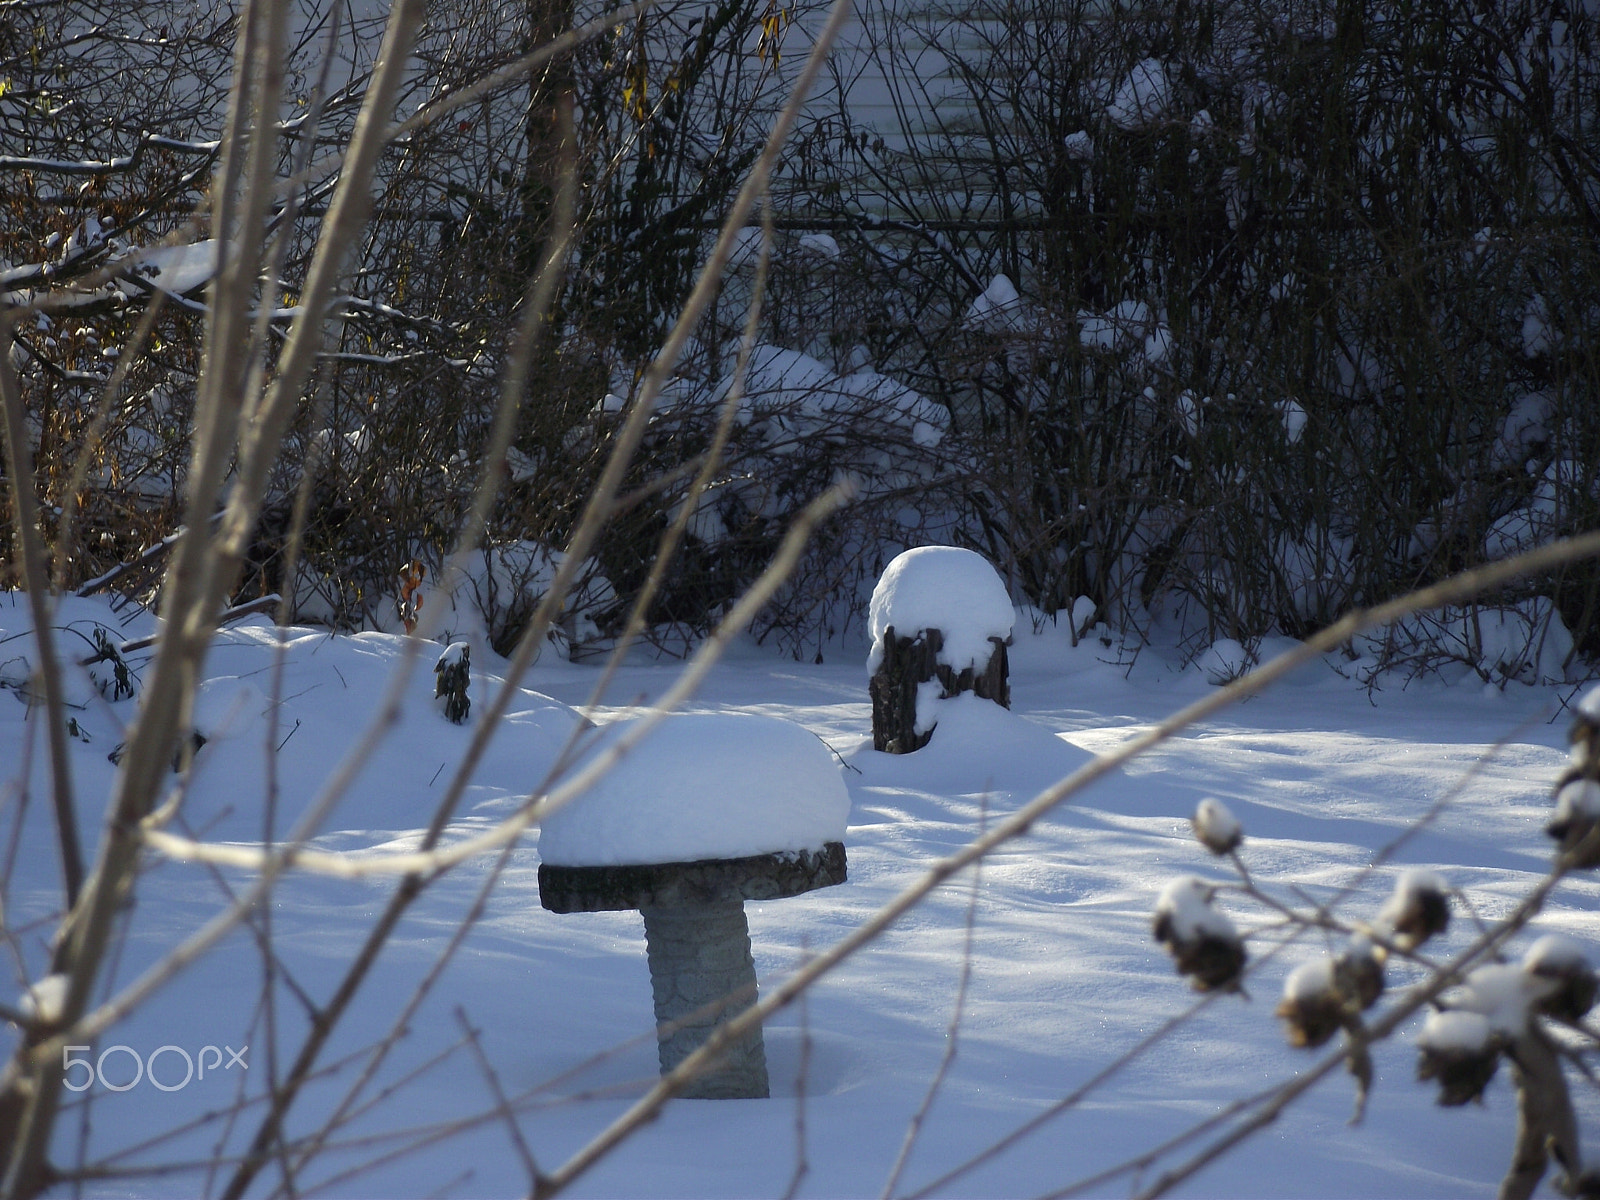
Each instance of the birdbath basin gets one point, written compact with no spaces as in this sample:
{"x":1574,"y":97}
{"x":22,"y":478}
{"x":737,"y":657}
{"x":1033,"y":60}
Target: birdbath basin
{"x":707,"y":812}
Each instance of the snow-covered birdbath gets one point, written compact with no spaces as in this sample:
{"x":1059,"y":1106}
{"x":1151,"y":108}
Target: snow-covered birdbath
{"x":708,"y":811}
{"x":940,"y":620}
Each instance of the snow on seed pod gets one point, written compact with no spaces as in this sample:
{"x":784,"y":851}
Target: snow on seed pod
{"x":1587,"y":710}
{"x":1561,"y":961}
{"x":1460,"y":1051}
{"x":1418,"y":908}
{"x":1576,"y":817}
{"x":45,"y":1000}
{"x":1313,"y":1007}
{"x":1500,"y":993}
{"x":1358,"y":972}
{"x":1217,"y":828}
{"x":1202,"y":941}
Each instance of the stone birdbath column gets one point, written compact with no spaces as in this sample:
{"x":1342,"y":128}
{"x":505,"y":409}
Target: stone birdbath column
{"x":940,"y":620}
{"x":708,"y":812}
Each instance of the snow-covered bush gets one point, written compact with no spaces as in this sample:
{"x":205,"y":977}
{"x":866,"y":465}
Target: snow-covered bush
{"x":1525,"y":643}
{"x":1182,"y":324}
{"x":797,"y":426}
{"x":504,"y":583}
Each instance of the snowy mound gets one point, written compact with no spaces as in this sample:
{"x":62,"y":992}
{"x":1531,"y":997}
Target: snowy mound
{"x":980,"y":748}
{"x":701,"y":786}
{"x":946,"y":588}
{"x":807,"y":397}
{"x":328,"y":683}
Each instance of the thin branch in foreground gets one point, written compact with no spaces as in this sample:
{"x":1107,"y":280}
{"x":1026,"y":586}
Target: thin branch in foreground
{"x":501,"y":1104}
{"x":1147,"y":1158}
{"x":952,"y":1031}
{"x":36,"y":579}
{"x":802,"y":1162}
{"x":201,"y":572}
{"x":710,"y":461}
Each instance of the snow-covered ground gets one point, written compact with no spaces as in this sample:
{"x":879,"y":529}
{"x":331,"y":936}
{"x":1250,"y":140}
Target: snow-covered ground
{"x":1065,"y":977}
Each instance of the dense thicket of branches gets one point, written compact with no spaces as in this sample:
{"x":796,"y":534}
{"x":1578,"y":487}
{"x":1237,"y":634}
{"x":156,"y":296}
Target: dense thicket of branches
{"x":110,"y":117}
{"x":1304,"y":291}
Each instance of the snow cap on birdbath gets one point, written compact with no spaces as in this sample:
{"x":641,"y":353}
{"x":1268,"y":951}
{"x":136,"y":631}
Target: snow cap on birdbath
{"x":704,"y":786}
{"x":940,"y":621}
{"x":706,"y":812}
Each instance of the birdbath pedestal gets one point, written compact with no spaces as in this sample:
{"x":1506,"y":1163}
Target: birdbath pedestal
{"x":707,"y":811}
{"x":698,"y":941}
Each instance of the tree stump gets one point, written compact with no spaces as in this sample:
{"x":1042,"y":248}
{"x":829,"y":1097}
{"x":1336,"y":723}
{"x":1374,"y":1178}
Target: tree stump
{"x":910,"y":663}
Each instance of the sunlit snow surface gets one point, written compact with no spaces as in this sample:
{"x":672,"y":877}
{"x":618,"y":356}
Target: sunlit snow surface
{"x":1065,"y":976}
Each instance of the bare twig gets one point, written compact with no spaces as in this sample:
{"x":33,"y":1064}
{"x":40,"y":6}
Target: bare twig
{"x":952,"y":1031}
{"x":802,"y":1162}
{"x":36,"y":578}
{"x":502,"y":1105}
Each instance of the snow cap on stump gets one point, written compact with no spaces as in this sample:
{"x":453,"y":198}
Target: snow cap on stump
{"x":946,"y":588}
{"x":704,"y":786}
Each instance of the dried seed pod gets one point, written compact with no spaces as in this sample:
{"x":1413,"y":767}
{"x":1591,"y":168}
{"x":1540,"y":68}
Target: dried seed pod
{"x":1587,"y":709}
{"x":1418,"y":908}
{"x":1211,"y":962}
{"x":1217,"y":828}
{"x":1560,"y":962}
{"x":1202,"y":941}
{"x":1459,"y":1050}
{"x":1313,"y":1007}
{"x":1358,"y":973}
{"x":1576,"y":817}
